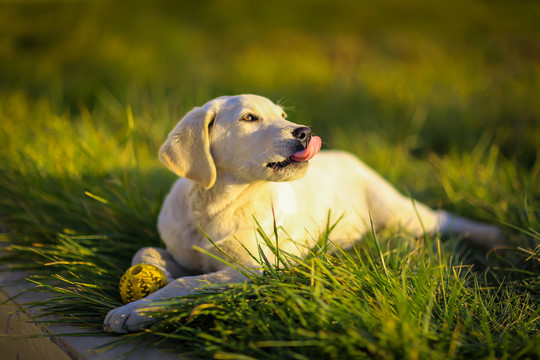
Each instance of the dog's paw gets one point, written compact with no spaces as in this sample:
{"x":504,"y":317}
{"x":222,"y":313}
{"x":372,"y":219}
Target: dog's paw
{"x":488,"y":237}
{"x":133,"y":317}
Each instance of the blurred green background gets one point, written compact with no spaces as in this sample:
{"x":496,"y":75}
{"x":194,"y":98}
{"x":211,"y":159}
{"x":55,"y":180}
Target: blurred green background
{"x":461,"y":67}
{"x":387,"y":80}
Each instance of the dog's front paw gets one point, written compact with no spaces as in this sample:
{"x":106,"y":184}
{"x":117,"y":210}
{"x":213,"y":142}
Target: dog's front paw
{"x":135,"y":316}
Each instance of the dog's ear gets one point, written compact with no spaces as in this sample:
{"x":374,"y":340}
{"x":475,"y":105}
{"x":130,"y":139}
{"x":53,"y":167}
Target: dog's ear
{"x":187,"y":149}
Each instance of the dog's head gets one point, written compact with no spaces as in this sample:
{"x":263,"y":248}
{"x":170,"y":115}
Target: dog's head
{"x":245,"y":137}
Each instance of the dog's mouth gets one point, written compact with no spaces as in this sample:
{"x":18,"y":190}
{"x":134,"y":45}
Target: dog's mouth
{"x":301,"y":156}
{"x":281,"y":164}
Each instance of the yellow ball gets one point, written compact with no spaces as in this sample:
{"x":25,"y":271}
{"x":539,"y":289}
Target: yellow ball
{"x":140,"y":281}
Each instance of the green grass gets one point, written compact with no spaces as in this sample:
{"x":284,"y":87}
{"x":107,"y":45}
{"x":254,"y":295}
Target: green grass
{"x":447,"y":110}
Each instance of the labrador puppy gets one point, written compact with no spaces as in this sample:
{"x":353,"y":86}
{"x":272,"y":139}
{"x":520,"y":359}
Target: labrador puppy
{"x":239,"y":159}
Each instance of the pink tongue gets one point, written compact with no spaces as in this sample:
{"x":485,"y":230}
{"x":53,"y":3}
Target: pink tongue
{"x":310,"y":151}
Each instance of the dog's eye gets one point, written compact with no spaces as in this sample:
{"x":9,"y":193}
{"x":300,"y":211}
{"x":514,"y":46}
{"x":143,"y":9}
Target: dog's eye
{"x":250,"y":117}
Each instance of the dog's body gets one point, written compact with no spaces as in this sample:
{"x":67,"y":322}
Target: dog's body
{"x":240,"y":160}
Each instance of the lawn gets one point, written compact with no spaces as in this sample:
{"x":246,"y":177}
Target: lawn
{"x":440,"y":98}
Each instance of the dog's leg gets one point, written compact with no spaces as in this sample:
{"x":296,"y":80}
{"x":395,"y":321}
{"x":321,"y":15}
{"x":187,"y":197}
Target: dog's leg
{"x":418,"y":218}
{"x":137,"y":315}
{"x":388,"y":207}
{"x":478,"y":234}
{"x":162,"y":259}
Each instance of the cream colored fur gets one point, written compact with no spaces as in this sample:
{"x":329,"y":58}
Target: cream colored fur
{"x":226,"y":183}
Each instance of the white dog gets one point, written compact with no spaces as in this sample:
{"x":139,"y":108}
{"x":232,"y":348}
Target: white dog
{"x":240,"y":160}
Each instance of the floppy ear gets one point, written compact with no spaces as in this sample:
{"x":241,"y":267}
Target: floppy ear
{"x":187,"y":149}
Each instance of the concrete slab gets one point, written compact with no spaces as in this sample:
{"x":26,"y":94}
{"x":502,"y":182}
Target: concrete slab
{"x":16,"y":329}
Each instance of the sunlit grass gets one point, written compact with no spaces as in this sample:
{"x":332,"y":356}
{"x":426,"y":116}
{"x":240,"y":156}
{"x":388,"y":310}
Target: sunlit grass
{"x":78,"y":210}
{"x":446,"y":110}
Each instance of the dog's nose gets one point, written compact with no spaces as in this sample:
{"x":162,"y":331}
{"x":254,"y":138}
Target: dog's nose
{"x":303,"y":134}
